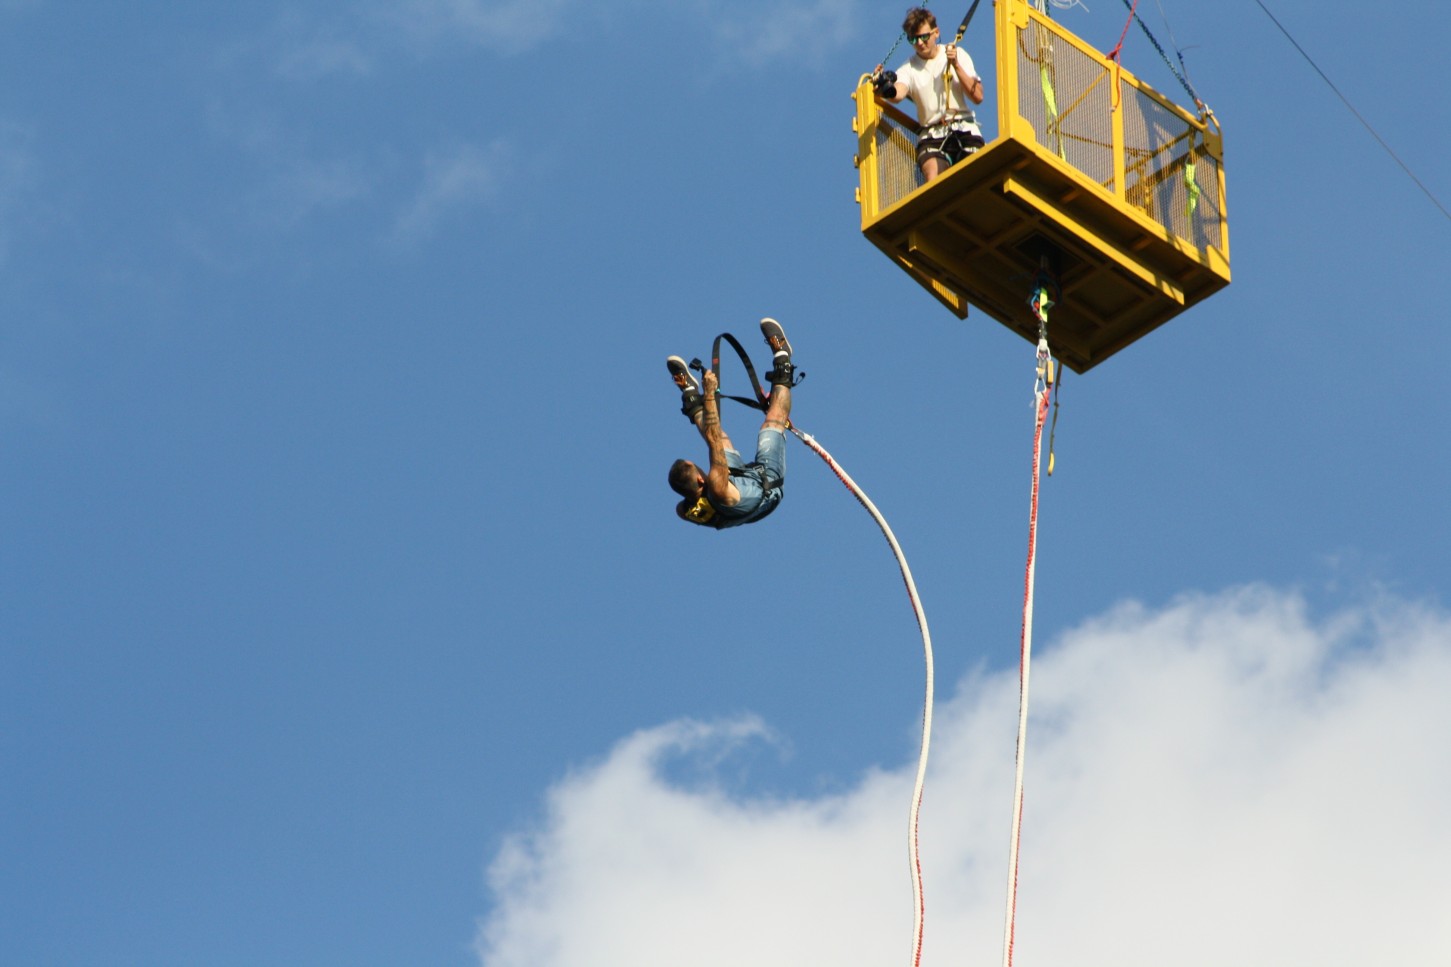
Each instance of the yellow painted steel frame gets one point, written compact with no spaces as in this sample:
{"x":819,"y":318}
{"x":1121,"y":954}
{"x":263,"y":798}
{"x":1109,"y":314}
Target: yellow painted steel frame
{"x":1095,"y":176}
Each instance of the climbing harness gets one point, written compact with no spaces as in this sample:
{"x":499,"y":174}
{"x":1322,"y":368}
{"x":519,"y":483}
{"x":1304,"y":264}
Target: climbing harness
{"x":960,"y":136}
{"x":914,"y":858}
{"x":703,"y":512}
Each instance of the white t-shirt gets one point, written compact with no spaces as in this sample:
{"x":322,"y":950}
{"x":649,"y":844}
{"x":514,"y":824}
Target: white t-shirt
{"x":924,"y":81}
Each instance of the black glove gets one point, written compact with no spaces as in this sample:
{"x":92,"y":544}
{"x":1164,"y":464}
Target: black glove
{"x":885,"y":84}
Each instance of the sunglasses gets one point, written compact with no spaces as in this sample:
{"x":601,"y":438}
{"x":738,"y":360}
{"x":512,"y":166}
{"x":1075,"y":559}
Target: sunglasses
{"x":920,"y":38}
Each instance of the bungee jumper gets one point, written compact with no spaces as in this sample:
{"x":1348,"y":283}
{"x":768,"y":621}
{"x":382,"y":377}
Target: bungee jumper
{"x":731,"y":492}
{"x":941,"y":80}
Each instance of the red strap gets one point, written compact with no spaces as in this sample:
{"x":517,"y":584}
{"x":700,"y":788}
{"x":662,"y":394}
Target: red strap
{"x":1113,"y":55}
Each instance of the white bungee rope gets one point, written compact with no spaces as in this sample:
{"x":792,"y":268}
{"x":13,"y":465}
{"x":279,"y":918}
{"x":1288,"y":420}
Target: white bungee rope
{"x":914,"y":858}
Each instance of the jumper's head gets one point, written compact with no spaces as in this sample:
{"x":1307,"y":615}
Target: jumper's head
{"x":686,"y":479}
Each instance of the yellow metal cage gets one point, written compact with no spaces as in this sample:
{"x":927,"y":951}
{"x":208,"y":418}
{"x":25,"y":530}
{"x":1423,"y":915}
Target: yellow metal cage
{"x":1114,"y":189}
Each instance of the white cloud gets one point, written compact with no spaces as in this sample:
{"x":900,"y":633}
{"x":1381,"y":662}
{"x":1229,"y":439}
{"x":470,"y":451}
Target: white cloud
{"x":1220,"y":781}
{"x":454,"y":178}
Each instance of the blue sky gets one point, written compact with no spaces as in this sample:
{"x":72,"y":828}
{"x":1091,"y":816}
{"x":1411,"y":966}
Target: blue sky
{"x":344,"y":618}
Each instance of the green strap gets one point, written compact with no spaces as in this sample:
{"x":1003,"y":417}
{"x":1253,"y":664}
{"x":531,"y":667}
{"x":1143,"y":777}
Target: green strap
{"x":1051,"y":101}
{"x":1048,"y":97}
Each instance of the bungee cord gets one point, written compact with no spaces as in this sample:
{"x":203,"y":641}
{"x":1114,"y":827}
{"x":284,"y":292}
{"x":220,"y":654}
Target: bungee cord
{"x":1042,"y":392}
{"x":913,"y":854}
{"x":1044,"y":387}
{"x":914,"y":857}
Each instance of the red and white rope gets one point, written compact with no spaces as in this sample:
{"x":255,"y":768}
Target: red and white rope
{"x":914,"y":857}
{"x":1025,"y":650}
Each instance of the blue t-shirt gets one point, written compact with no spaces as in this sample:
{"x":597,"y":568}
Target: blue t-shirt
{"x":756,"y":500}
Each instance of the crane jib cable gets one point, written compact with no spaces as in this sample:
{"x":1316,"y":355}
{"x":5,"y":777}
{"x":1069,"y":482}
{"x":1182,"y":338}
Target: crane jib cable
{"x":914,"y":858}
{"x":1358,"y":116}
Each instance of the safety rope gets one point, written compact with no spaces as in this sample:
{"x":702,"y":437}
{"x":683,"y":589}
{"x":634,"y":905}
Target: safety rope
{"x":1113,"y":55}
{"x":913,"y":856}
{"x":1042,"y":390}
{"x":1053,"y":427}
{"x":962,"y":27}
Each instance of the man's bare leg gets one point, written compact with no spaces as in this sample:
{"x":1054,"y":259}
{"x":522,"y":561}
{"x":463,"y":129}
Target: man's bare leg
{"x":778,"y":404}
{"x":778,"y":408}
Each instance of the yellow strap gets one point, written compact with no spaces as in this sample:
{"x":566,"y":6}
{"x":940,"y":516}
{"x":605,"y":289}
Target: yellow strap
{"x":702,"y":512}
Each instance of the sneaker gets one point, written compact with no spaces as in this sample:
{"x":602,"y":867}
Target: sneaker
{"x":776,"y":338}
{"x":782,"y":372}
{"x":682,"y":375}
{"x":691,"y":402}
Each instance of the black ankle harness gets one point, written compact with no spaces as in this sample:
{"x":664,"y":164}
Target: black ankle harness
{"x":779,"y":376}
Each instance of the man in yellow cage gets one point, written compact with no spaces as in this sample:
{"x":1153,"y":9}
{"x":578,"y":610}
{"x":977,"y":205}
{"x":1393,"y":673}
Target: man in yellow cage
{"x":948,"y":124}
